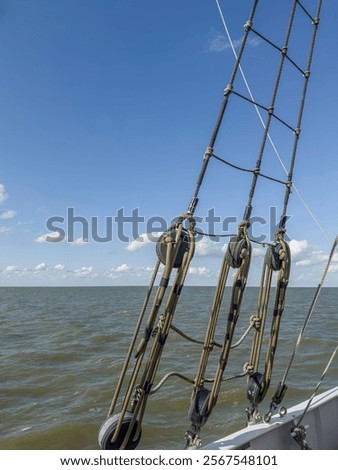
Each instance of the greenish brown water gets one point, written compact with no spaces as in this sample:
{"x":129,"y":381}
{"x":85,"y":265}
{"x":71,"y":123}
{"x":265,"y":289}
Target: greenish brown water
{"x":62,"y":350}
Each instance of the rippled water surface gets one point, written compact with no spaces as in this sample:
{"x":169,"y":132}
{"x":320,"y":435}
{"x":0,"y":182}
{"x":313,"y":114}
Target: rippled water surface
{"x":62,"y":350}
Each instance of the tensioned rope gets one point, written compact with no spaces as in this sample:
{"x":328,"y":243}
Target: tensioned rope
{"x":295,"y":187}
{"x":277,"y":257}
{"x":175,"y":250}
{"x":299,"y":434}
{"x":282,"y":388}
{"x":259,"y":383}
{"x":209,"y":151}
{"x":298,"y":431}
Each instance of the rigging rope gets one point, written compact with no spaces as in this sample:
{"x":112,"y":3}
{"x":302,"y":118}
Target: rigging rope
{"x":247,"y":170}
{"x":259,"y":383}
{"x":298,"y":432}
{"x":282,"y":388}
{"x":295,"y":187}
{"x":227,"y":92}
{"x":278,"y":258}
{"x":175,"y":250}
{"x":328,"y":365}
{"x":238,"y":255}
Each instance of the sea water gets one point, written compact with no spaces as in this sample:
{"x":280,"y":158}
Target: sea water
{"x":62,"y":349}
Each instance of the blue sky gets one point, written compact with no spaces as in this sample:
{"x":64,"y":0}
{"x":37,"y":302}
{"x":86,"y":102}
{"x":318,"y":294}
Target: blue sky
{"x":106,"y":110}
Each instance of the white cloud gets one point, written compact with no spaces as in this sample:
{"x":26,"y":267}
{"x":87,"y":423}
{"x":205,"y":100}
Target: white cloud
{"x":256,"y":252}
{"x":143,"y":240}
{"x":305,"y":255}
{"x":48,"y":237}
{"x":253,"y":42}
{"x":312,"y":259}
{"x":127,"y":273}
{"x":85,"y":271}
{"x":333,"y":268}
{"x":42,"y":274}
{"x":207,"y":247}
{"x":7,"y":215}
{"x":122,"y":268}
{"x":54,"y":237}
{"x":4,"y":229}
{"x":41,"y":267}
{"x":11,"y":268}
{"x":199,"y":271}
{"x":298,"y":248}
{"x":3,"y":194}
{"x":59,"y":267}
{"x":79,"y":241}
{"x":220,"y":43}
{"x":334,"y":264}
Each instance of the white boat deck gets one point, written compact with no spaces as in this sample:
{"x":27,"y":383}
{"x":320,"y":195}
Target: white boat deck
{"x":321,"y":422}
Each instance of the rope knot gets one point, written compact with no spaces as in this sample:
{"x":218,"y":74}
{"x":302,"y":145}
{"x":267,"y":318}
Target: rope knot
{"x":208,"y":153}
{"x":299,"y":435}
{"x":228,"y":89}
{"x":247,"y":368}
{"x":255,"y":322}
{"x":247,"y":26}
